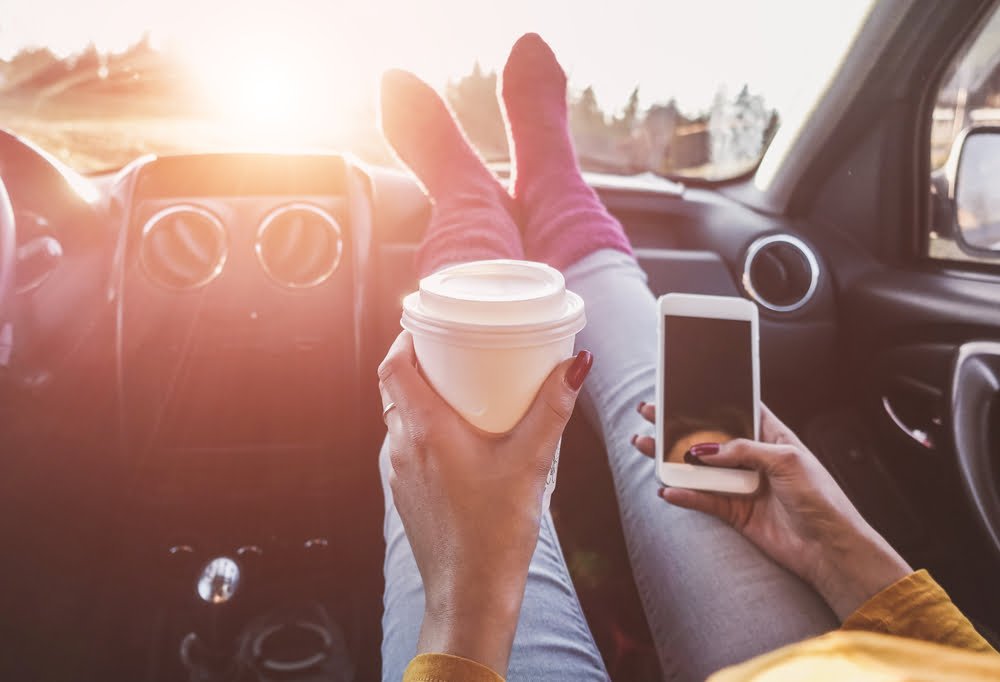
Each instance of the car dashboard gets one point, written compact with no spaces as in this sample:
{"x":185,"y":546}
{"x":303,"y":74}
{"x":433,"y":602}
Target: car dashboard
{"x":236,"y":309}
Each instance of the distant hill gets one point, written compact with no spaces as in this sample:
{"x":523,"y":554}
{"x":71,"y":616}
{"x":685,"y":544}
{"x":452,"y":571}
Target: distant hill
{"x":139,"y":80}
{"x":24,"y":66}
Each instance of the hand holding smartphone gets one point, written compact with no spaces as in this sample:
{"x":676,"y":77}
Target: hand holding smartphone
{"x":707,"y":388}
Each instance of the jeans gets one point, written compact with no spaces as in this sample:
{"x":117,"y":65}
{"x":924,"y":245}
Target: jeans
{"x":711,"y":597}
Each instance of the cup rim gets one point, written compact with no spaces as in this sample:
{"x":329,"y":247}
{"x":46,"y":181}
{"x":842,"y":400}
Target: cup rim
{"x":494,"y":335}
{"x":430,"y":285}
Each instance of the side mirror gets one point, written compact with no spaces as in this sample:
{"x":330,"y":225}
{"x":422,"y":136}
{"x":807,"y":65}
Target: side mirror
{"x":977,"y":192}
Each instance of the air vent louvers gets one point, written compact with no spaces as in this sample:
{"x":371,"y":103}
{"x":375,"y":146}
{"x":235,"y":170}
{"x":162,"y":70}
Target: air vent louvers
{"x":183,"y":247}
{"x":781,"y":273}
{"x":299,"y":245}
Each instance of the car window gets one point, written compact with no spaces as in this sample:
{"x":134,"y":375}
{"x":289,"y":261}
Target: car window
{"x":964,"y":220}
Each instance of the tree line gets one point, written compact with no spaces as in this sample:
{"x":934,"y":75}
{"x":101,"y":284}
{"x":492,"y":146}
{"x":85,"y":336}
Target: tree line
{"x":632,"y":138}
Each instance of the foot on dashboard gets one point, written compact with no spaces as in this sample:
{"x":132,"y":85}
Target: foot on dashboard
{"x":563,"y":219}
{"x":470,"y":217}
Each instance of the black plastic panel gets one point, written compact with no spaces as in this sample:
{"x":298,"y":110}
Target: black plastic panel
{"x":690,"y":272}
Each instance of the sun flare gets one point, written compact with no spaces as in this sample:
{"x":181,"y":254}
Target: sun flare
{"x":263,"y":93}
{"x":279,"y":97}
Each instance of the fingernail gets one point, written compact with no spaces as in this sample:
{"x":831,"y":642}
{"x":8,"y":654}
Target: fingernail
{"x":642,"y":404}
{"x":635,"y":437}
{"x":579,"y":370}
{"x":702,"y":449}
{"x":696,"y":452}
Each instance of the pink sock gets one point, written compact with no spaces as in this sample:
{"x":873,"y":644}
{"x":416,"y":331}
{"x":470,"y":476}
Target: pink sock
{"x":469,"y":218}
{"x":563,"y":219}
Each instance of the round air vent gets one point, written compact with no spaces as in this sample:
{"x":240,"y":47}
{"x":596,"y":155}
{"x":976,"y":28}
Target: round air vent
{"x":183,"y":247}
{"x":780,"y":273}
{"x":299,"y":245}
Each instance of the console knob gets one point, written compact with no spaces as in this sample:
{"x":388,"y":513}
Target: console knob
{"x":219,"y":580}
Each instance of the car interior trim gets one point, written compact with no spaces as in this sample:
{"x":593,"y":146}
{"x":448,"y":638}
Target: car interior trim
{"x":218,"y":228}
{"x":975,"y":389}
{"x":755,"y":249}
{"x":337,"y":238}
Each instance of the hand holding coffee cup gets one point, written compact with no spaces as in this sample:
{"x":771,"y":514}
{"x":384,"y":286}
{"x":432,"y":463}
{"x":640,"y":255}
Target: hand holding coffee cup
{"x":471,"y":502}
{"x":488,"y":333}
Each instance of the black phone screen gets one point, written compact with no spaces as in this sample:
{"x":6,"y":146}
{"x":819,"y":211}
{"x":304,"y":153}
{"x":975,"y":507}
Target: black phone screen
{"x":707,"y":383}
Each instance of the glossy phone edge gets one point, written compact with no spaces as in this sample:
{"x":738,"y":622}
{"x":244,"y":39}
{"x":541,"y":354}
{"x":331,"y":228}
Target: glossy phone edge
{"x":734,"y":481}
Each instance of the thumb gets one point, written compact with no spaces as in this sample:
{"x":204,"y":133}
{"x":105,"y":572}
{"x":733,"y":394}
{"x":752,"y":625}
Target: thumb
{"x":545,"y":420}
{"x":749,"y":454}
{"x":773,"y":430}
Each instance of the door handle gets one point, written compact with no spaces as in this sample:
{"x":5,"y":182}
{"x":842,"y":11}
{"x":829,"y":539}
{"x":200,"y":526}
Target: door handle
{"x":975,"y":385}
{"x":919,"y":435}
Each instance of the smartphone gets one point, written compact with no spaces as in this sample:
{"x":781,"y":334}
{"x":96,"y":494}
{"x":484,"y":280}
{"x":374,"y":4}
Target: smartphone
{"x":707,"y":388}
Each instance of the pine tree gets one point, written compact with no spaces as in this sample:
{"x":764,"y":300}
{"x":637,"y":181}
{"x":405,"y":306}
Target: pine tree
{"x":630,"y":114}
{"x":474,"y":101}
{"x":585,"y":112}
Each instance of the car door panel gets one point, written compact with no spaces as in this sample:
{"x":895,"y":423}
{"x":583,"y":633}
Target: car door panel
{"x":933,"y":488}
{"x":975,"y":412}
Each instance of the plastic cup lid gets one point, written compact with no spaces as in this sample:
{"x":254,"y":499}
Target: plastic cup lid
{"x":501,"y":299}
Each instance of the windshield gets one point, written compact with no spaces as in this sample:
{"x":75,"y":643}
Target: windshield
{"x":673,"y":87}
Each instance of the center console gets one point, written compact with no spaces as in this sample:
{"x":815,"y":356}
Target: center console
{"x":240,"y":287}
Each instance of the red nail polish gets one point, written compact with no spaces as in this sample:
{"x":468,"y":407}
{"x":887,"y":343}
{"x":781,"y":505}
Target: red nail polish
{"x":635,"y":437}
{"x":642,"y":404}
{"x":579,"y":370}
{"x":702,"y":449}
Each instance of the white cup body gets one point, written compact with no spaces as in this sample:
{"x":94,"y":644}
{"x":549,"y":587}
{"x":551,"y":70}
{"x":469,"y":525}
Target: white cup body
{"x":491,"y":388}
{"x":487,"y":334}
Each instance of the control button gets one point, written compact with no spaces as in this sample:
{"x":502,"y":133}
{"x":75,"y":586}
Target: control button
{"x":219,"y":580}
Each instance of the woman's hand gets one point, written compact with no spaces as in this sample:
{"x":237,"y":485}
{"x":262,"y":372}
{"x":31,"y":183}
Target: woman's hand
{"x":800,"y":517}
{"x":471,"y":502}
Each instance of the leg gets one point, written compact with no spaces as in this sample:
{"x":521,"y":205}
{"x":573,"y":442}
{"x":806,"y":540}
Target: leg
{"x":561,"y":216}
{"x":711,"y":598}
{"x":470,"y":221}
{"x":553,"y":641}
{"x":469,"y":207}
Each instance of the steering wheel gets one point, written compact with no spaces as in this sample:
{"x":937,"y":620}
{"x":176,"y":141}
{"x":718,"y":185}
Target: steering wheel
{"x":8,"y":244}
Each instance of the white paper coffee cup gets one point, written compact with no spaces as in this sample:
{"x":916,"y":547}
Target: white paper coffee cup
{"x":488,"y":333}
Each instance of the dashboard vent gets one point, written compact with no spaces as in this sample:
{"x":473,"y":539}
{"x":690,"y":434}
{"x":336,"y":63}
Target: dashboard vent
{"x":299,"y":245}
{"x":183,"y":247}
{"x":781,"y":273}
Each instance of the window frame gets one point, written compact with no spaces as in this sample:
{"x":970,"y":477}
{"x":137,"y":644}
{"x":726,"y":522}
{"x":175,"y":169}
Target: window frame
{"x":985,"y":265}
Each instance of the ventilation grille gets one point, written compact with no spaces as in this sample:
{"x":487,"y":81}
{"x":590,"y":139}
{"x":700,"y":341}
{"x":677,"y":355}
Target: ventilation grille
{"x":183,"y":247}
{"x":781,"y":273}
{"x":299,"y":246}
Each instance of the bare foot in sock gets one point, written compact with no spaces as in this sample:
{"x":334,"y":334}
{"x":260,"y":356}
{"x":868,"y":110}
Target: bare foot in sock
{"x":563,"y":219}
{"x":470,"y":218}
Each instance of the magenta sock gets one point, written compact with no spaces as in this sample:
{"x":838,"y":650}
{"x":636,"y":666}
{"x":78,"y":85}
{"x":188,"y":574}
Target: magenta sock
{"x":563,"y":218}
{"x":469,"y":215}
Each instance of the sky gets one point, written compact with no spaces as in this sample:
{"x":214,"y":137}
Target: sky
{"x":686,"y":49}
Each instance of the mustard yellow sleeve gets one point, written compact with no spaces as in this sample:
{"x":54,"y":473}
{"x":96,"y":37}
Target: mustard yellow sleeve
{"x":447,"y":668}
{"x":918,"y":608}
{"x":865,"y":657}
